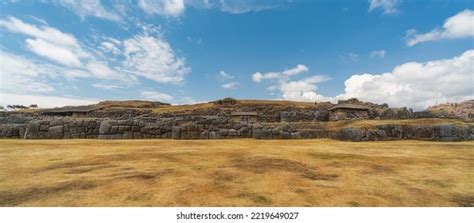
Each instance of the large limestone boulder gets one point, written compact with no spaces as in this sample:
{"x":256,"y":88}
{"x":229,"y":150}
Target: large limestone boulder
{"x":351,"y":134}
{"x":32,"y":130}
{"x":56,"y":132}
{"x":105,"y":126}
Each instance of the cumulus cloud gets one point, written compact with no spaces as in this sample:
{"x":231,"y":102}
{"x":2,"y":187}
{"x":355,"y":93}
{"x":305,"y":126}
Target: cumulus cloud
{"x":231,"y":85}
{"x":156,"y":96}
{"x":378,"y":53}
{"x":298,"y":90}
{"x":303,"y":89}
{"x":69,"y":56}
{"x":388,"y":6}
{"x":142,"y":55}
{"x":458,"y":26}
{"x":154,"y":59}
{"x":415,"y":84}
{"x":162,"y":7}
{"x":86,"y":8}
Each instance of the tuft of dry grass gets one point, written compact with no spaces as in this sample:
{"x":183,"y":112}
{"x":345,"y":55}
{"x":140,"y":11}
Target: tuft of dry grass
{"x":241,"y":172}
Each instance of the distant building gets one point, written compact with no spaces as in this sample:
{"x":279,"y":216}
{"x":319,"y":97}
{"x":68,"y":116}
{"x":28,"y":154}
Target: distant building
{"x":249,"y":117}
{"x":69,"y":111}
{"x":348,"y":112}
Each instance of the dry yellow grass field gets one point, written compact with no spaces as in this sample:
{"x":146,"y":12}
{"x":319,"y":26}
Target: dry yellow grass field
{"x":235,"y":173}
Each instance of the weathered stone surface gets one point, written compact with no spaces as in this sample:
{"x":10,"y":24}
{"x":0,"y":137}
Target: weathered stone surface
{"x":451,"y":133}
{"x":224,"y":128}
{"x":55,"y":132}
{"x":351,"y":134}
{"x":377,"y":135}
{"x":32,"y":130}
{"x":105,"y":127}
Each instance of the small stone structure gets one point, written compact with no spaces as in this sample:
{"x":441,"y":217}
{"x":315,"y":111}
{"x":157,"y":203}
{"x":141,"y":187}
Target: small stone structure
{"x":69,"y":111}
{"x":246,"y":117}
{"x":348,"y":112}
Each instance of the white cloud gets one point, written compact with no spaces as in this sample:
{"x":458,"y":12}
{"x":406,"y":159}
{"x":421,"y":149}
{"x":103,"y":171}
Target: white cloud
{"x":175,"y":8}
{"x":53,"y":52}
{"x":76,"y":73}
{"x":47,"y":33}
{"x":153,"y":58}
{"x":65,"y":49}
{"x":298,"y":90}
{"x":415,"y":84}
{"x":106,"y":86}
{"x":42,"y":101}
{"x":388,"y":6}
{"x":49,"y":42}
{"x":110,"y":47}
{"x":239,"y":7}
{"x":223,"y":75}
{"x":348,"y":57}
{"x":18,"y":74}
{"x":162,"y":7}
{"x":378,"y":53}
{"x":302,"y":90}
{"x":458,"y":26}
{"x":258,"y":77}
{"x":86,"y":8}
{"x":296,"y":70}
{"x":157,"y":96}
{"x":231,"y":85}
{"x":101,"y":70}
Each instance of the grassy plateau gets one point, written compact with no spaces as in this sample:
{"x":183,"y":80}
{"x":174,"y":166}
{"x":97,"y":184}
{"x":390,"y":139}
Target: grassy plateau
{"x":235,"y":173}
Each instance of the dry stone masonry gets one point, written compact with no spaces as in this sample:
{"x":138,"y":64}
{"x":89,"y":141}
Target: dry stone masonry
{"x":221,"y":121}
{"x":66,"y":128}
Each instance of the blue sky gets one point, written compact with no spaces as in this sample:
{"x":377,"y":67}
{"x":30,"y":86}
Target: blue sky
{"x":405,"y":53}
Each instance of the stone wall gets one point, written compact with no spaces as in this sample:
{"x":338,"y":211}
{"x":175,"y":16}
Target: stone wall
{"x":221,"y":128}
{"x":446,"y":132}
